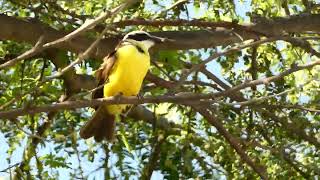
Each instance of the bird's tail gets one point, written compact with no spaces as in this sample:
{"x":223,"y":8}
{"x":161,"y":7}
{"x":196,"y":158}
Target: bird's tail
{"x":101,"y":125}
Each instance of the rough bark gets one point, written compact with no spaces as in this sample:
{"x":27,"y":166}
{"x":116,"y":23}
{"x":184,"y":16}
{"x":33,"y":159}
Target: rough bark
{"x":20,"y":30}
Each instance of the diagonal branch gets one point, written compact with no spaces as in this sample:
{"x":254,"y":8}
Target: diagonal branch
{"x":234,"y":143}
{"x":289,"y":126}
{"x":30,"y":53}
{"x":80,"y":58}
{"x":216,"y":55}
{"x":174,"y":5}
{"x":298,"y":42}
{"x":268,"y":80}
{"x":86,"y":26}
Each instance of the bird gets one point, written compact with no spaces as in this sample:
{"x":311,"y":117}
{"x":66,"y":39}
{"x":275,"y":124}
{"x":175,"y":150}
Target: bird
{"x":121,"y":74}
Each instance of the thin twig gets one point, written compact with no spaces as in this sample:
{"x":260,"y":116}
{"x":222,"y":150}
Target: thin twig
{"x":234,"y":142}
{"x":178,"y":3}
{"x":300,"y":107}
{"x":27,"y":133}
{"x":89,"y":24}
{"x":260,"y":100}
{"x":86,"y":26}
{"x":197,"y":67}
{"x":256,"y":100}
{"x":288,"y":125}
{"x":4,"y":170}
{"x":33,"y":51}
{"x":80,"y":58}
{"x":268,"y":80}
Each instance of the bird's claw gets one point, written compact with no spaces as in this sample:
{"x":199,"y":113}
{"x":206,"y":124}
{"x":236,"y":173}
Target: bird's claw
{"x":139,"y":96}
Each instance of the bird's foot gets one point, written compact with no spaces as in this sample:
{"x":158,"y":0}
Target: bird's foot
{"x":118,"y":96}
{"x":139,"y":96}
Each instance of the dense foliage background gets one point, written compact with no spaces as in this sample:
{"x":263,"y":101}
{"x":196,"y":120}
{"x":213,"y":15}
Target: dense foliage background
{"x":252,"y":110}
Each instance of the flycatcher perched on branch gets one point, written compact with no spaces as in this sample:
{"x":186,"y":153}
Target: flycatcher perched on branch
{"x":121,"y":73}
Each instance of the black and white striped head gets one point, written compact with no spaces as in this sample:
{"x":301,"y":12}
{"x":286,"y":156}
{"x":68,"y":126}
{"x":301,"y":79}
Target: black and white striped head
{"x":143,"y":38}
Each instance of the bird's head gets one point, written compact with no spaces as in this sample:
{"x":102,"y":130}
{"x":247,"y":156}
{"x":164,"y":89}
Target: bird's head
{"x":142,"y":38}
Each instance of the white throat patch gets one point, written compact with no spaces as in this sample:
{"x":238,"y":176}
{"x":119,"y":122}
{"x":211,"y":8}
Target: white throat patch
{"x":147,"y":43}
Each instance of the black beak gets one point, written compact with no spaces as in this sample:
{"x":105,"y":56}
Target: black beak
{"x":157,"y":39}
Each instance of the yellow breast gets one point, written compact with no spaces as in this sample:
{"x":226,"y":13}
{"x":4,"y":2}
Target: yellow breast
{"x":127,"y":75}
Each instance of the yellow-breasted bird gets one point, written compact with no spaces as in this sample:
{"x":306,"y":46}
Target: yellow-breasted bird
{"x":122,"y":73}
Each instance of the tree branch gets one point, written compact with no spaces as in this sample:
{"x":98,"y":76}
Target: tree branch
{"x":197,"y":67}
{"x":154,"y":158}
{"x":14,"y":29}
{"x":268,"y":80}
{"x":289,"y":126}
{"x":30,"y":53}
{"x":190,"y":98}
{"x":184,"y":98}
{"x":86,"y":26}
{"x":234,"y":143}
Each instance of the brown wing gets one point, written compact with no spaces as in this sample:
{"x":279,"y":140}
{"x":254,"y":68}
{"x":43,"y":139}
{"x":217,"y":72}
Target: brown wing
{"x":103,"y":73}
{"x":102,"y":124}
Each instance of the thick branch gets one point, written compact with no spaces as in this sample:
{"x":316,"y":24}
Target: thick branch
{"x":295,"y":23}
{"x":85,"y":27}
{"x":14,"y":29}
{"x":291,"y":24}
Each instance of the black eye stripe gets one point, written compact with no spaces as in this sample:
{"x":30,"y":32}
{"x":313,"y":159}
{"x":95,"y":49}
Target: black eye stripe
{"x":139,"y":37}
